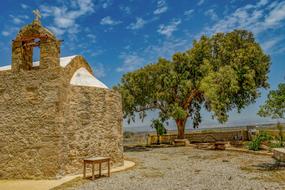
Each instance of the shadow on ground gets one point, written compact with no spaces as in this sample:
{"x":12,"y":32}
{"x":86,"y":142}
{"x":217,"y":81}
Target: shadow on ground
{"x":271,"y":166}
{"x":136,"y":148}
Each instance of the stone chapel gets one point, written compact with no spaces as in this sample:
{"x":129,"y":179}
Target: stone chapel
{"x":53,"y":112}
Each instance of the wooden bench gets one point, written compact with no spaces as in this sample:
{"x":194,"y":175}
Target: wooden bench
{"x":93,"y":161}
{"x":279,"y":154}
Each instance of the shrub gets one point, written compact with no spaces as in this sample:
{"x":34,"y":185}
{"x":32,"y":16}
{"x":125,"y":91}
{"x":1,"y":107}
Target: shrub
{"x":159,"y":127}
{"x":257,"y":140}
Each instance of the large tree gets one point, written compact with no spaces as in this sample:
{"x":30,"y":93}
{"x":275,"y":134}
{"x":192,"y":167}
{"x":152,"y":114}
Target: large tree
{"x":221,"y":73}
{"x":274,"y":106}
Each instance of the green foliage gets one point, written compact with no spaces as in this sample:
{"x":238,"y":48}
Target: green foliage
{"x":257,"y":140}
{"x":274,"y":107}
{"x":221,"y":73}
{"x":277,"y":144}
{"x":280,"y":137}
{"x":275,"y":104}
{"x":159,"y":127}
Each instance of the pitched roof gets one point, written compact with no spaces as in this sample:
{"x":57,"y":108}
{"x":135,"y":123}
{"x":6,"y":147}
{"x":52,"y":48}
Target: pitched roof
{"x":64,"y":61}
{"x":81,"y":77}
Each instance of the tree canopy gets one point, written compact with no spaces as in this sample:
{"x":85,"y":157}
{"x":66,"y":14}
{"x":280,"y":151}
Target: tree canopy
{"x":274,"y":106}
{"x":221,"y":73}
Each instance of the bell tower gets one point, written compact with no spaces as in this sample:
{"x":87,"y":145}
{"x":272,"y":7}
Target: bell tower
{"x":30,"y":36}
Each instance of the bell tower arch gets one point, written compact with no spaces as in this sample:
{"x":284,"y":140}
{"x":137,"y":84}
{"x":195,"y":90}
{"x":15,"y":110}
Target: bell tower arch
{"x":30,"y":36}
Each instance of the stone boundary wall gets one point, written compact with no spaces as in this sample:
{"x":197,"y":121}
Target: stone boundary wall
{"x":135,"y":139}
{"x":201,"y":137}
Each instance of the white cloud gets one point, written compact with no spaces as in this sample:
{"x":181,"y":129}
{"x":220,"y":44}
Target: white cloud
{"x":24,"y":6}
{"x":109,"y":21}
{"x":212,"y":14}
{"x":56,"y":30}
{"x":276,"y":15}
{"x":138,"y":24}
{"x":161,"y":7}
{"x":188,"y":13}
{"x":64,"y":22}
{"x":200,"y":2}
{"x":262,"y":2}
{"x":252,"y":17}
{"x":166,"y":48}
{"x":5,"y":33}
{"x":130,"y":62}
{"x":9,"y":31}
{"x":92,"y":37}
{"x":167,"y":30}
{"x":125,"y":9}
{"x":106,"y":4}
{"x":64,"y":18}
{"x":19,"y":19}
{"x":264,"y":16}
{"x":268,"y":45}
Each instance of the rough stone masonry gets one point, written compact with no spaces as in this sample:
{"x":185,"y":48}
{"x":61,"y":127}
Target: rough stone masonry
{"x":48,"y":124}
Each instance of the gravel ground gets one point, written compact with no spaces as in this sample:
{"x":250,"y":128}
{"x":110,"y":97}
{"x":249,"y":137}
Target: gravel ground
{"x":187,"y":168}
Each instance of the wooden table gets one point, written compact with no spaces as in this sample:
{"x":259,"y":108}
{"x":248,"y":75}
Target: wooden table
{"x":93,"y":161}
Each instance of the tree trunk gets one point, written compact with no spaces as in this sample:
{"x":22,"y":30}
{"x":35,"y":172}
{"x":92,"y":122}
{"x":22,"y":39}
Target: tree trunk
{"x":181,"y":128}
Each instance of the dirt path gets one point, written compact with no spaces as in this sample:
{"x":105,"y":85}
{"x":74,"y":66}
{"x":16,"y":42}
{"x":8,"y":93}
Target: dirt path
{"x":187,"y":168}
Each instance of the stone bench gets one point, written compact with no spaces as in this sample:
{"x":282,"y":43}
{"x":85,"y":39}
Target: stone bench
{"x":181,"y":142}
{"x":279,"y":154}
{"x":219,"y":146}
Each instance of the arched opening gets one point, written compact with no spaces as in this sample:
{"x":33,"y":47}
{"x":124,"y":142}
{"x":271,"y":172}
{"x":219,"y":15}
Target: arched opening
{"x":36,"y":53}
{"x":31,"y":52}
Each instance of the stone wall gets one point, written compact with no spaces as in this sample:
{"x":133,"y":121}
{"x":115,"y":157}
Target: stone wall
{"x":48,"y":126}
{"x":30,"y":123}
{"x":93,"y":126}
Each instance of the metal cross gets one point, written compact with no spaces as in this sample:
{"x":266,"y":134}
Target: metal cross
{"x":37,"y":14}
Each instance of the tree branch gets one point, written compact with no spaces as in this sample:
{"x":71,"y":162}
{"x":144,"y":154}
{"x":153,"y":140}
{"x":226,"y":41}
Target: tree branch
{"x":190,"y":98}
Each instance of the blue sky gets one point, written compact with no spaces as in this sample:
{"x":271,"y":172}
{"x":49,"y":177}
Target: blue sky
{"x":117,"y":36}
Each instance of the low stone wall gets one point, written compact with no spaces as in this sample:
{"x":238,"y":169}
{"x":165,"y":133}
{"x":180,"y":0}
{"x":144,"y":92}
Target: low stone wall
{"x":279,"y":154}
{"x":135,"y":139}
{"x":201,"y":137}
